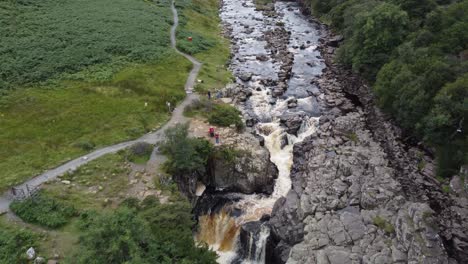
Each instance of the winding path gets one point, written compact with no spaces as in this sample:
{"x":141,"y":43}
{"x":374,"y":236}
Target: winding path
{"x":152,"y":138}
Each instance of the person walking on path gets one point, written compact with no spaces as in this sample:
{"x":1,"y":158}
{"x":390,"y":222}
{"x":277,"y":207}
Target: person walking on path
{"x":209,"y":95}
{"x":169,"y":106}
{"x":211,"y":132}
{"x":217,"y":138}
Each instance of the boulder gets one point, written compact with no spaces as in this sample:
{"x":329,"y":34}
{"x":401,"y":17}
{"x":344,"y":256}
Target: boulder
{"x":246,"y":173}
{"x":335,"y":41}
{"x":292,"y":122}
{"x":39,"y":260}
{"x":31,"y":253}
{"x":245,"y":76}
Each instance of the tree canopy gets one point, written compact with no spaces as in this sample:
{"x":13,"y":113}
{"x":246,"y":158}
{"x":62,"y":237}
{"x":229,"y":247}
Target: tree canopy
{"x":415,"y":55}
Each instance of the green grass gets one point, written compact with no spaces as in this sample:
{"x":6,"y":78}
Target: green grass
{"x":48,"y":38}
{"x":41,"y":127}
{"x":199,"y":19}
{"x":100,"y":179}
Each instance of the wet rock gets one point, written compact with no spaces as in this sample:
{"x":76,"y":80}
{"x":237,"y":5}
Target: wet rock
{"x":284,"y":141}
{"x":277,"y":92}
{"x":292,"y":103}
{"x":246,"y":76}
{"x":262,"y":57}
{"x":250,"y":122}
{"x":292,"y":122}
{"x":335,"y":41}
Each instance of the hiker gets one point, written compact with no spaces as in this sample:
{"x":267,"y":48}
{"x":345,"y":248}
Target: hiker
{"x":211,"y":131}
{"x":13,"y":191}
{"x":217,"y":138}
{"x":209,"y":95}
{"x":218,"y":95}
{"x":169,"y":106}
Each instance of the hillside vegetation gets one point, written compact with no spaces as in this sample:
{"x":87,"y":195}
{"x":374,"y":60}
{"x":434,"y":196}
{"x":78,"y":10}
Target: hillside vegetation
{"x":415,"y":55}
{"x":199,"y":20}
{"x":77,"y":75}
{"x":49,"y":38}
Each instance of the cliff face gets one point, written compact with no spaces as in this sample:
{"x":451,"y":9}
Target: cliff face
{"x":361,"y":194}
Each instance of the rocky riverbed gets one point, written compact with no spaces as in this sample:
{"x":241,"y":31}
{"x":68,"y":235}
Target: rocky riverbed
{"x":347,"y":188}
{"x":360,"y":193}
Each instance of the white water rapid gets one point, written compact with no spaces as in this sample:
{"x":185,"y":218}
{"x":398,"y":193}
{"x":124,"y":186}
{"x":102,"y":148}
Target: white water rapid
{"x":221,"y":230}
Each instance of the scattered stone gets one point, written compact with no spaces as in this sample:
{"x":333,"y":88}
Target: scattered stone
{"x":39,"y":260}
{"x":31,"y":253}
{"x":246,"y":76}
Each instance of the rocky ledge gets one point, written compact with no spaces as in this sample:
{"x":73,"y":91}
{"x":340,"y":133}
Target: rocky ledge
{"x":360,"y":194}
{"x":235,"y":166}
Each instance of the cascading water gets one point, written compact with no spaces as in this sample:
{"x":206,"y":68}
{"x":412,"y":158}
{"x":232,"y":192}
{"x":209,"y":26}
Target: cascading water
{"x":224,"y":230}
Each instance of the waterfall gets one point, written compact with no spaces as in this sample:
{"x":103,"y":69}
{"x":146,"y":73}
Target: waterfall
{"x":220,"y":231}
{"x":242,"y":237}
{"x":257,"y":246}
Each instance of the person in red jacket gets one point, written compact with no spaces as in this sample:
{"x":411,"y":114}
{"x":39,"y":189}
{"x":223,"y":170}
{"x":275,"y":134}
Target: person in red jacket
{"x":211,"y":132}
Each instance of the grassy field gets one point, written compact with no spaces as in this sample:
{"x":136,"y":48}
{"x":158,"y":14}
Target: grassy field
{"x":200,"y":20}
{"x":50,"y":38}
{"x":100,"y":76}
{"x":42,"y":127}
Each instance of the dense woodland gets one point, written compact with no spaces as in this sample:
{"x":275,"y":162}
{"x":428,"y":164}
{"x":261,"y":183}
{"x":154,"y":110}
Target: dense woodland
{"x":415,"y":55}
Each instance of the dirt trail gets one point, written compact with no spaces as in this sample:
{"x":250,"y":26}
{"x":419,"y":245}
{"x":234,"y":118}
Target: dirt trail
{"x":152,"y":138}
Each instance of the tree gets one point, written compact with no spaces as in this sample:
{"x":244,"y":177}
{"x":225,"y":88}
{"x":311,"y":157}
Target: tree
{"x":416,"y":9}
{"x":185,"y":154}
{"x":117,"y":237}
{"x":375,"y":34}
{"x":149,"y":232}
{"x":449,"y":113}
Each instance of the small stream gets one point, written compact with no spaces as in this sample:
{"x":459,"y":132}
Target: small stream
{"x":221,"y":228}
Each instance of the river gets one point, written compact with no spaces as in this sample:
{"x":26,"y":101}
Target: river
{"x":281,"y":89}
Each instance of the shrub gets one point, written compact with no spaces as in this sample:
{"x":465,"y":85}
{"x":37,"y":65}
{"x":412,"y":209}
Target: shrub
{"x":14,"y":243}
{"x":383,"y":224}
{"x":198,"y":44}
{"x":149,"y":233}
{"x":185,"y":154}
{"x":97,"y":32}
{"x":225,"y":115}
{"x":131,"y":202}
{"x":227,"y":154}
{"x":85,"y":145}
{"x":43,"y":210}
{"x":198,"y":107}
{"x":139,"y":152}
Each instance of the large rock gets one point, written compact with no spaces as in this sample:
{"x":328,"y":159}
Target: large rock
{"x":245,"y":76}
{"x":292,"y":122}
{"x":241,"y":168}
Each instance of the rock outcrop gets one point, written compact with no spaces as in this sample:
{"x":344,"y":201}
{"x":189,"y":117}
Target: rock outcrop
{"x":239,"y":164}
{"x":351,"y":207}
{"x":248,"y":171}
{"x":360,"y":193}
